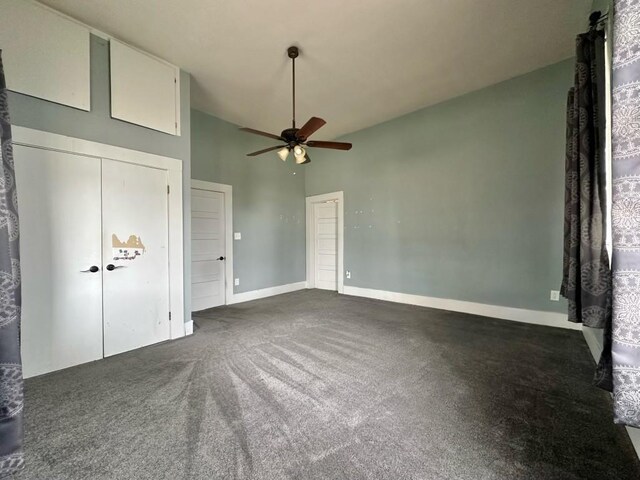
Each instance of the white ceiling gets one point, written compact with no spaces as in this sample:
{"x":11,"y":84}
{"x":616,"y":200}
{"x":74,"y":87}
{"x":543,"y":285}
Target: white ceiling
{"x":362,"y":61}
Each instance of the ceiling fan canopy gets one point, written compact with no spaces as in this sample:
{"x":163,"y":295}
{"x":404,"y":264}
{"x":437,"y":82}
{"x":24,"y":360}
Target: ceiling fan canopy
{"x":296,"y":139}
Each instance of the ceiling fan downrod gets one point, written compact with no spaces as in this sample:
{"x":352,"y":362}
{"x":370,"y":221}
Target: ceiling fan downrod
{"x":293,"y":53}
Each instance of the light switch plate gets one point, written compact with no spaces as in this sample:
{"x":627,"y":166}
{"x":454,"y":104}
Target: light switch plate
{"x":555,"y":295}
{"x":348,"y":273}
{"x":237,"y":236}
{"x":236,"y":281}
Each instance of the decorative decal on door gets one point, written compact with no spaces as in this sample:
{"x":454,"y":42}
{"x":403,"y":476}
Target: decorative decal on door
{"x":129,"y":250}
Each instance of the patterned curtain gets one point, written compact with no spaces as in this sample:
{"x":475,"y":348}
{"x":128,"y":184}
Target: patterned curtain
{"x":11,"y":397}
{"x":626,"y":211}
{"x":586,"y":280}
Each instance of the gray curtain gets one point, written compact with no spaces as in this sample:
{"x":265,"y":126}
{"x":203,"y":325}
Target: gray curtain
{"x":626,"y":211}
{"x":11,"y":386}
{"x":586,"y":280}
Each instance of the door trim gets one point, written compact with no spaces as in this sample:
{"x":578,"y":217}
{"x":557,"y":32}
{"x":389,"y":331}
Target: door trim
{"x":227,"y":190}
{"x":338,"y":197}
{"x":52,"y":141}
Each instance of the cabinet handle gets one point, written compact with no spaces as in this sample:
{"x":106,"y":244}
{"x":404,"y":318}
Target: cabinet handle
{"x":91,"y":269}
{"x":112,"y":267}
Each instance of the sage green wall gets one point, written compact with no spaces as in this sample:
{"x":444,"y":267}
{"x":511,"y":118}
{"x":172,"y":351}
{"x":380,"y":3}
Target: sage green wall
{"x":461,"y":200}
{"x":98,"y":126}
{"x":268,"y":201}
{"x":603,"y":5}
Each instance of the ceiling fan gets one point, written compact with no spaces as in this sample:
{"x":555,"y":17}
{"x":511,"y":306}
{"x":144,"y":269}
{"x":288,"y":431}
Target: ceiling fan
{"x":297,"y":139}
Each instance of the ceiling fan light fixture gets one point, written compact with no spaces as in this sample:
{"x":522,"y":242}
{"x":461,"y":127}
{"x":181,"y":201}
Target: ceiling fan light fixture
{"x":283,"y":153}
{"x":300,"y":154}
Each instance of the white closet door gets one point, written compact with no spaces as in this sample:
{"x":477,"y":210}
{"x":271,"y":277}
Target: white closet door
{"x":135,"y":256}
{"x":326,"y":251}
{"x":207,"y":249}
{"x":59,"y":206}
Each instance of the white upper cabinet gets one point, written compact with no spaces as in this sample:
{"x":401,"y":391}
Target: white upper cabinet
{"x":45,"y":55}
{"x":144,"y":90}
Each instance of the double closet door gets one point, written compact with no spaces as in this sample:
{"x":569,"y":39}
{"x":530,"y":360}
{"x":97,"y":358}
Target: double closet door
{"x":94,"y":257}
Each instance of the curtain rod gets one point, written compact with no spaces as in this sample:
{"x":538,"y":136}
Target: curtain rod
{"x":597,"y":18}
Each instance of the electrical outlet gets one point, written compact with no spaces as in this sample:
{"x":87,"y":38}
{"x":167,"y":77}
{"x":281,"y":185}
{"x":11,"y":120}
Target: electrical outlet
{"x":348,"y":273}
{"x":236,"y":281}
{"x":555,"y":295}
{"x":237,"y":236}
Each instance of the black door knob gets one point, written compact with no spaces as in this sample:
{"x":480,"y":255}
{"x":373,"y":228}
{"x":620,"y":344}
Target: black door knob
{"x":220,"y":258}
{"x":111,"y":267}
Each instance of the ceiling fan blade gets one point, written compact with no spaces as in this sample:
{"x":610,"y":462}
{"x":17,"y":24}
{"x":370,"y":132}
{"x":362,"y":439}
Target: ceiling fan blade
{"x":309,"y":128}
{"x":265,"y":150}
{"x":332,"y":145}
{"x":264,"y":134}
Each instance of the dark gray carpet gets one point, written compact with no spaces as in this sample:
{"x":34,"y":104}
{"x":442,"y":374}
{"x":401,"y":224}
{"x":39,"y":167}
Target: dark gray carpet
{"x":312,"y":385}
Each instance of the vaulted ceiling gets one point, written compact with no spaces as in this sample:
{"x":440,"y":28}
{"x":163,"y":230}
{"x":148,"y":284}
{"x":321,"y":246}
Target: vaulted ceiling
{"x":362,"y":61}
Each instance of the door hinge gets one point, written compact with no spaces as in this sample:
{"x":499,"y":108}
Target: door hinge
{"x":169,"y":316}
{"x":168,"y":189}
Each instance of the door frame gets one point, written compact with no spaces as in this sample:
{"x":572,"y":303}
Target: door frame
{"x":337,"y":197}
{"x":227,"y":191}
{"x":52,"y":141}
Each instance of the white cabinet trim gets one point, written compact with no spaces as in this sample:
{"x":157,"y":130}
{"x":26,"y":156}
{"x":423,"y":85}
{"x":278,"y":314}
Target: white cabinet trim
{"x":51,"y":141}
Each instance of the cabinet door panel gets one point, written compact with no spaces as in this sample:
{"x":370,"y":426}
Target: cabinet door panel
{"x":45,"y":55}
{"x":143,"y":89}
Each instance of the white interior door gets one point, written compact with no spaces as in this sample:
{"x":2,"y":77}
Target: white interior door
{"x":135,"y":256}
{"x":59,"y":205}
{"x":326,"y":245}
{"x":207,"y":249}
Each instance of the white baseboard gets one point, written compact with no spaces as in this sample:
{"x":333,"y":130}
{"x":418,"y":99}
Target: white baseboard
{"x":634,"y":435}
{"x":188,"y":328}
{"x":550,"y":319}
{"x":266,"y":292}
{"x":593,"y":337}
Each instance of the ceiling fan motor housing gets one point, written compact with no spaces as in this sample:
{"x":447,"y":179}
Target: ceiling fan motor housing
{"x":289,"y":135}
